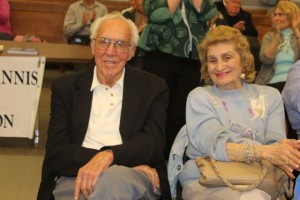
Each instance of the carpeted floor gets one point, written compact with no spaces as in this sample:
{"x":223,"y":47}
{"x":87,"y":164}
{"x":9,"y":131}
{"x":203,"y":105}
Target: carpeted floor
{"x":20,"y":176}
{"x":20,"y":162}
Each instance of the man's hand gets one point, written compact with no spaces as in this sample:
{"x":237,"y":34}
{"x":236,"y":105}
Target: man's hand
{"x":151,"y":173}
{"x":85,"y":18}
{"x":240,"y":26}
{"x":88,"y":17}
{"x":88,"y":174}
{"x":92,"y":15}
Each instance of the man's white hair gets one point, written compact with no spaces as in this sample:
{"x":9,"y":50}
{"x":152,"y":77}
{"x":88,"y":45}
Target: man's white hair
{"x":115,"y":15}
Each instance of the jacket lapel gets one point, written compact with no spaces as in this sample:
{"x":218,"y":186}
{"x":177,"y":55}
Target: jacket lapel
{"x":132,"y":94}
{"x":82,"y":104}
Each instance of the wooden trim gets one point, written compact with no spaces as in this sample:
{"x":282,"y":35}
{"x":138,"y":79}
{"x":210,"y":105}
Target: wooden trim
{"x":60,"y":5}
{"x":38,"y":6}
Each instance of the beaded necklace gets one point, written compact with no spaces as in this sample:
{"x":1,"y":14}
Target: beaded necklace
{"x":285,"y":45}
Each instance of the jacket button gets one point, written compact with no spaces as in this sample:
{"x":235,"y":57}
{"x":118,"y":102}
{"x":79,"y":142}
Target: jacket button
{"x":179,"y":167}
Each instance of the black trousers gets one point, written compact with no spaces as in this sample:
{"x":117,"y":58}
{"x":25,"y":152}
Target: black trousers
{"x":181,"y":75}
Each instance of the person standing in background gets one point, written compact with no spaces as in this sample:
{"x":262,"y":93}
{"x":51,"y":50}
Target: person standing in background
{"x":136,"y":14}
{"x":169,"y":42}
{"x":5,"y":27}
{"x":78,"y":19}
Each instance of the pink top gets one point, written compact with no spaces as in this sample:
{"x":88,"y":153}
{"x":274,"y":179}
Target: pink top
{"x":4,"y":17}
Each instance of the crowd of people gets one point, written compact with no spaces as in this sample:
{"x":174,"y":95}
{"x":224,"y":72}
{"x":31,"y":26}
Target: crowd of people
{"x":166,"y":67}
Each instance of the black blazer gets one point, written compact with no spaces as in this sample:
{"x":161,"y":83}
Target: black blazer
{"x":142,"y":127}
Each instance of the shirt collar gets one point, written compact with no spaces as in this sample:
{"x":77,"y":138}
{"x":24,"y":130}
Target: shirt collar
{"x":95,"y":4}
{"x":96,"y":83}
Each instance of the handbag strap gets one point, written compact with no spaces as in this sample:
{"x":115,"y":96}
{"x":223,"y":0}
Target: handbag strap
{"x":234,"y":187}
{"x":288,"y":188}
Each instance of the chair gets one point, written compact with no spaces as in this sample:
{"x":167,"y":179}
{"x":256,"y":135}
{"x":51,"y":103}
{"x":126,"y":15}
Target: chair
{"x":176,"y":160}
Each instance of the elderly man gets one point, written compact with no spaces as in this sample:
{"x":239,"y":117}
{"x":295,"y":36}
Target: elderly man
{"x":107,"y":126}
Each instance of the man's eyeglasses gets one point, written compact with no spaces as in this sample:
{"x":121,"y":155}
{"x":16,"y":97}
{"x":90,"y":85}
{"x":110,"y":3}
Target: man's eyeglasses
{"x":119,"y":45}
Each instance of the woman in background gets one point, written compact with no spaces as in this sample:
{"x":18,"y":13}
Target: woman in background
{"x":169,"y":41}
{"x":280,"y":48}
{"x":136,"y":14}
{"x":5,"y":27}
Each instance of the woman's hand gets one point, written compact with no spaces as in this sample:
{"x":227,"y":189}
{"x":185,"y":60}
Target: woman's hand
{"x":296,"y":24}
{"x":151,"y":173}
{"x":285,"y":154}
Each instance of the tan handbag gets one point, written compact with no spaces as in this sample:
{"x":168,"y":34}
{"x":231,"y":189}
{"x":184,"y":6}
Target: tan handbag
{"x":241,"y":176}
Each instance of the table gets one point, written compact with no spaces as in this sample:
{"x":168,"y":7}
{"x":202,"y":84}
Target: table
{"x":57,"y":53}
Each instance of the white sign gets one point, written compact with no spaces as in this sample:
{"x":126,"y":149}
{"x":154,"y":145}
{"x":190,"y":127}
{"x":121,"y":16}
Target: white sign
{"x":21,"y":81}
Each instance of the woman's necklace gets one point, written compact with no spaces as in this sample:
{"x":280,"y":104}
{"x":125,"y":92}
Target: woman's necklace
{"x":284,"y":46}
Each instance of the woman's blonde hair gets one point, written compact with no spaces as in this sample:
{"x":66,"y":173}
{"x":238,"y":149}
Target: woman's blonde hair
{"x":226,"y":34}
{"x":290,"y":9}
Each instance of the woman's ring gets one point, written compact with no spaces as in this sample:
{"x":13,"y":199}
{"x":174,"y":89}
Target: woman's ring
{"x":286,"y":162}
{"x":150,"y":171}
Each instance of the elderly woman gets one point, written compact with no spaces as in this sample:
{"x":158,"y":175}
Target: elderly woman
{"x":231,"y":118}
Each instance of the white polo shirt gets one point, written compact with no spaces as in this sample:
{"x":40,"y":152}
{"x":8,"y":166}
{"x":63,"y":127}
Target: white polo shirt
{"x":104,"y":122}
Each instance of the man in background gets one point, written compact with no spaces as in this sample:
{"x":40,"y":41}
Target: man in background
{"x":236,"y":17}
{"x":78,"y":19}
{"x":233,"y":15}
